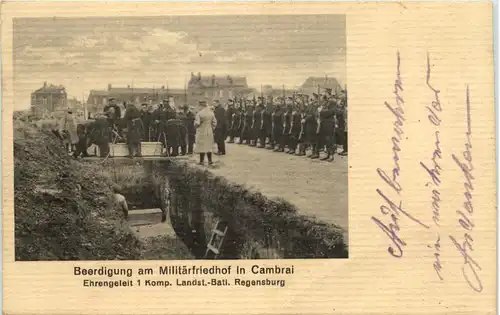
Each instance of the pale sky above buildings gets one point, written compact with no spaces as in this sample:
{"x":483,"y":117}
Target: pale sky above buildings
{"x":84,"y":54}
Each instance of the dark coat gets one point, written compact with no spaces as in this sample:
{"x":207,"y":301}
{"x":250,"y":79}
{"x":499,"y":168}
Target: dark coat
{"x":277,"y":119}
{"x":176,"y":132}
{"x":229,"y":114}
{"x":220,"y":131}
{"x":256,"y":121}
{"x":267,"y":123}
{"x":311,"y":125}
{"x":189,"y":122}
{"x":135,"y":129}
{"x":235,"y":123}
{"x":287,"y":121}
{"x":296,"y":124}
{"x":327,"y":122}
{"x":99,"y":131}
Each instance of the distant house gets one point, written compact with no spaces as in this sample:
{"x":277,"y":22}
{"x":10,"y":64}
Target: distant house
{"x":48,"y":99}
{"x":99,"y":98}
{"x":312,"y":84}
{"x":214,"y":87}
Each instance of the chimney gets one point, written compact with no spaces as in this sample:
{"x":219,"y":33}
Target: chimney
{"x":230,"y":80}
{"x":192,"y":75}
{"x":163,"y":87}
{"x":45,"y":84}
{"x":128,"y":86}
{"x":199,"y":75}
{"x":109,"y":87}
{"x":213,"y":79}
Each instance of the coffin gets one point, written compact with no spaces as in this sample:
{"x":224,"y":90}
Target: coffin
{"x":121,"y":149}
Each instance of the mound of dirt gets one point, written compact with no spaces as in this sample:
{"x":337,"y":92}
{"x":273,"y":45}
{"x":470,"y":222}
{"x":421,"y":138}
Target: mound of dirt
{"x":62,"y":212}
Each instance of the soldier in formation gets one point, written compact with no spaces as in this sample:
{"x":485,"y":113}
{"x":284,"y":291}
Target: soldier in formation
{"x":294,"y":125}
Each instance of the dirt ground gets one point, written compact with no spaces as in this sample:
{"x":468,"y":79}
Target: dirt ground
{"x":317,"y":188}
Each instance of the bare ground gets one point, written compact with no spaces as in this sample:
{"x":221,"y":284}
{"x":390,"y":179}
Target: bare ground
{"x":317,"y":188}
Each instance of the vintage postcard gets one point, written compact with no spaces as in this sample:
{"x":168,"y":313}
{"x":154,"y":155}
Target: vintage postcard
{"x":185,"y":158}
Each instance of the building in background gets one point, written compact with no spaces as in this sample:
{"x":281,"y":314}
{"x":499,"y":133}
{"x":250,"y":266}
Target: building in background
{"x":222,"y":88}
{"x":99,"y":98}
{"x":48,"y":99}
{"x":312,"y":83}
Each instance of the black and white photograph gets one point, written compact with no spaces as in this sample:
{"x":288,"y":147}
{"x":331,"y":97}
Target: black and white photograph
{"x":180,"y":137}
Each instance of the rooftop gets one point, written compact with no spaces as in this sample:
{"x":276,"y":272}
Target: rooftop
{"x":51,"y":88}
{"x":222,"y":81}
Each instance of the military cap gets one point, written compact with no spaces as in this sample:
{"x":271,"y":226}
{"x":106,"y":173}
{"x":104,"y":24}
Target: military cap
{"x":111,"y":99}
{"x":202,"y":102}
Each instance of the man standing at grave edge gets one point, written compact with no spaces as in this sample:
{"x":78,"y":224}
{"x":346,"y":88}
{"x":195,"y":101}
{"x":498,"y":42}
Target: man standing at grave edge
{"x":220,"y":131}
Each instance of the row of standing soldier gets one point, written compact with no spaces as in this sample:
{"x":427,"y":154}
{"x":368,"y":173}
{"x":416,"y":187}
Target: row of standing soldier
{"x":175,"y":130}
{"x":296,"y":123}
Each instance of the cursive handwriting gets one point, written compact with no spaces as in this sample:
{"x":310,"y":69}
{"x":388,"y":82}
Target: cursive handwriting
{"x":434,"y":170}
{"x":398,"y":124}
{"x":470,"y":267}
{"x":391,"y":208}
{"x":437,"y":257}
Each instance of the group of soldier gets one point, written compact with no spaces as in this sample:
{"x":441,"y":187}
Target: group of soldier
{"x":128,"y":124}
{"x":292,"y":125}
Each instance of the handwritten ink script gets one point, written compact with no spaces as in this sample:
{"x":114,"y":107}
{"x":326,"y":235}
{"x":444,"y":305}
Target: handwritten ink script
{"x":433,"y":168}
{"x":391,"y":192}
{"x":470,"y":266}
{"x":392,"y":209}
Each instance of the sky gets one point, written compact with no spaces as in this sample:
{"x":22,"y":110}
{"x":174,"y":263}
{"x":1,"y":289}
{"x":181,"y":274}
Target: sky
{"x":89,"y":53}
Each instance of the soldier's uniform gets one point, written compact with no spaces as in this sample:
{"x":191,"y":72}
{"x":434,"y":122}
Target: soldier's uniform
{"x":176,"y":134}
{"x":310,"y":129}
{"x":342,"y":123}
{"x":162,"y":115}
{"x":287,"y":123}
{"x":135,"y":130}
{"x":234,"y":127}
{"x":326,"y":136}
{"x":246,"y":133}
{"x":266,"y":129}
{"x":256,"y":124}
{"x":100,"y":135}
{"x":81,"y":146}
{"x":277,"y":127}
{"x":230,"y":116}
{"x":146,"y":122}
{"x":190,"y":129}
{"x":295,"y":130}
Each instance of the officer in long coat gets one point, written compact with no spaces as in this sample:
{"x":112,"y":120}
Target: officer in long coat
{"x":190,"y":129}
{"x":135,"y":130}
{"x":220,"y":131}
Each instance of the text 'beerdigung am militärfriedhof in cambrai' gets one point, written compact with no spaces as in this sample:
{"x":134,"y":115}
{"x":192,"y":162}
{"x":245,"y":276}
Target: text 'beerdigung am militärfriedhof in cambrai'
{"x":185,"y":276}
